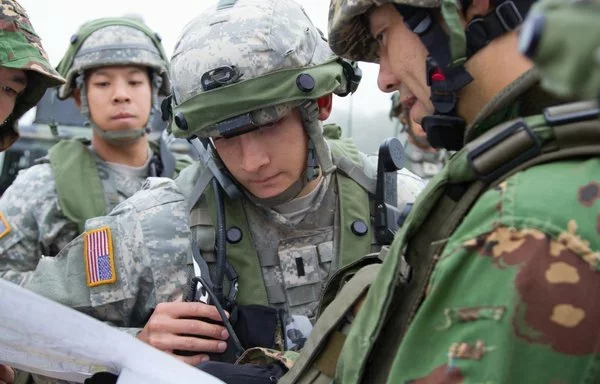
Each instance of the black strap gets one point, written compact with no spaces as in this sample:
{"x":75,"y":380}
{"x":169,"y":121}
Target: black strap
{"x":507,"y":16}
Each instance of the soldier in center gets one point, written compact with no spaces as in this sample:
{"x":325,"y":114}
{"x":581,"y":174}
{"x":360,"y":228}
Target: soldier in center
{"x":252,"y":82}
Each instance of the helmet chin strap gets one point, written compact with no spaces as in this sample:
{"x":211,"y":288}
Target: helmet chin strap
{"x":318,"y":158}
{"x":446,"y":75}
{"x":124,"y":136}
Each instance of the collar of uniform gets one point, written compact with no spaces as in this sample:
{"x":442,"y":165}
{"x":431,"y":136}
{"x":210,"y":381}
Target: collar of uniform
{"x":498,"y":109}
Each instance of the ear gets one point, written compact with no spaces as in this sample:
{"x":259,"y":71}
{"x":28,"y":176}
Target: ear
{"x":77,"y":97}
{"x":477,"y":8}
{"x":325,"y":104}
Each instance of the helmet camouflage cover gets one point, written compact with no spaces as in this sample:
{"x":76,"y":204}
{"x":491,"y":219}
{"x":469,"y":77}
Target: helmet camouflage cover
{"x":249,"y":57}
{"x":349,"y":34}
{"x":113,"y":41}
{"x":22,"y":49}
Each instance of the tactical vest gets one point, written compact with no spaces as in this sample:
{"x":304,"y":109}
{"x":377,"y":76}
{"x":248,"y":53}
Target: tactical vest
{"x":303,"y":256}
{"x":79,"y":189}
{"x":561,"y":132}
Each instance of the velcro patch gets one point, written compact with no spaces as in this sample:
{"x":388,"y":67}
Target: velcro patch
{"x":4,"y":226}
{"x":99,"y":259}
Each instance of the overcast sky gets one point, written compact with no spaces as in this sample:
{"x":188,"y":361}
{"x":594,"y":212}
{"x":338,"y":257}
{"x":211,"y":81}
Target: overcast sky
{"x":56,"y":20}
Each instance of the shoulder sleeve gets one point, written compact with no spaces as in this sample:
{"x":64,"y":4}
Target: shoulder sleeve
{"x":31,"y":223}
{"x":126,"y":262}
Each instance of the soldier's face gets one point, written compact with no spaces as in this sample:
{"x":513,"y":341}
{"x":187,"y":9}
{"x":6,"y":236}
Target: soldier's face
{"x":268,"y":160}
{"x":12,"y":83}
{"x":119,"y":97}
{"x":402,"y":60}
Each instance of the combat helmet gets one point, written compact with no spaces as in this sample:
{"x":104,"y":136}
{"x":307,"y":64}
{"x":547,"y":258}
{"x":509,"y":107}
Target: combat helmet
{"x":247,"y":63}
{"x":449,"y":48}
{"x":115,"y":41}
{"x":22,"y":49}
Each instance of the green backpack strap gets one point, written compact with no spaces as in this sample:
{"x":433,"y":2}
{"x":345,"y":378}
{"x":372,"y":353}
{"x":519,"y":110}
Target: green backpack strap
{"x":78,"y":186}
{"x":318,"y":359}
{"x":354,"y":202}
{"x":242,"y":254}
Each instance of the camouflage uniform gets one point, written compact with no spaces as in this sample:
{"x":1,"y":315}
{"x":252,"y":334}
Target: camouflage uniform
{"x":422,"y":162}
{"x":510,"y":294}
{"x":42,"y":228}
{"x":22,"y":49}
{"x":296,"y":241}
{"x":31,"y":230}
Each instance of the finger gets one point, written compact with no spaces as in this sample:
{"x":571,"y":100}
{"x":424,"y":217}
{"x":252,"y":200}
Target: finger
{"x":196,"y":327}
{"x":188,"y":309}
{"x":194,"y":344}
{"x":7,"y":375}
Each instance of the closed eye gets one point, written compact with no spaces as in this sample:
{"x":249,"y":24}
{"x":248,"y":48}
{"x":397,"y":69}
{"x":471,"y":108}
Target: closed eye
{"x":9,"y":91}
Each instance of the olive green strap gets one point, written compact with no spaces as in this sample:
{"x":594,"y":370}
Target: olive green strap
{"x":354,"y":208}
{"x":242,"y":255}
{"x":327,"y":331}
{"x":78,"y":186}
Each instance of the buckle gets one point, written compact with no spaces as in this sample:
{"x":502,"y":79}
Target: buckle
{"x":508,"y":15}
{"x":500,"y":160}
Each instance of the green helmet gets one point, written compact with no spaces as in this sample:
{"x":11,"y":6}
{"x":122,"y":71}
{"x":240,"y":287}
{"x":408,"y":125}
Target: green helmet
{"x":22,"y":49}
{"x":115,"y":41}
{"x":563,"y":39}
{"x":246,"y":63}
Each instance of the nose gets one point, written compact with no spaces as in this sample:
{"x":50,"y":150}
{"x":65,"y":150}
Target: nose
{"x":386,"y":80}
{"x":120,"y":92}
{"x":254,"y":150}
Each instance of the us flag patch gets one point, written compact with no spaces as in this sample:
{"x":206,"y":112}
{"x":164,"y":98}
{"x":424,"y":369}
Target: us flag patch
{"x":99,"y":260}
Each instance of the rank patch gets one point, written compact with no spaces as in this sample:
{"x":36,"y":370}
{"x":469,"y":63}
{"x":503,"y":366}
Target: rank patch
{"x":99,"y":260}
{"x":4,"y":226}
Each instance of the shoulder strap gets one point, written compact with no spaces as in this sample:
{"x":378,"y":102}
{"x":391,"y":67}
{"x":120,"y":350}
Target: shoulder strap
{"x":241,"y":253}
{"x":320,"y":353}
{"x":355,"y":207}
{"x":78,"y":186}
{"x":347,"y":159}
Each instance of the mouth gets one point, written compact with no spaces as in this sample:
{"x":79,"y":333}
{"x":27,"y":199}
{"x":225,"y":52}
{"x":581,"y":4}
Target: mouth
{"x":264,"y":180}
{"x":122,"y":115}
{"x":408,"y":103}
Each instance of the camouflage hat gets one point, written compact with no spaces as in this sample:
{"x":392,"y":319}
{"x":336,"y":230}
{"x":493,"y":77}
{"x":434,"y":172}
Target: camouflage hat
{"x":22,"y":49}
{"x":113,"y":41}
{"x":349,"y":34}
{"x":254,"y":57}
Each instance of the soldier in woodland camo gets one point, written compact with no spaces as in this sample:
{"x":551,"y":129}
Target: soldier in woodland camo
{"x":25,"y":71}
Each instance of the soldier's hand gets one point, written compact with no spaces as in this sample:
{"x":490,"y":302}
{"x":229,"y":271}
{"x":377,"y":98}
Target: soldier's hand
{"x":175,"y":326}
{"x":7,"y":375}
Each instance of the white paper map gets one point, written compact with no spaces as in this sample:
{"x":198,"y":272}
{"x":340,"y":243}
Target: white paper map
{"x":40,"y":336}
